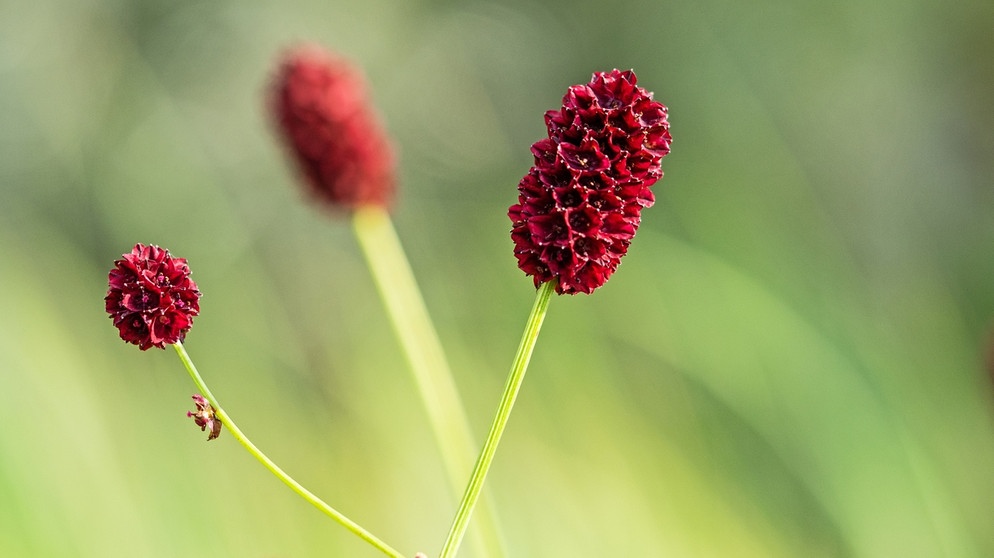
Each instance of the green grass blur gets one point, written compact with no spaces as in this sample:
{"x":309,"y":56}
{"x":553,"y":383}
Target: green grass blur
{"x":789,"y":362}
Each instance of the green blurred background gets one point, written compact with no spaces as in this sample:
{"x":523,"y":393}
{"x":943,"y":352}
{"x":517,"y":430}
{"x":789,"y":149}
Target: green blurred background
{"x":789,"y":362}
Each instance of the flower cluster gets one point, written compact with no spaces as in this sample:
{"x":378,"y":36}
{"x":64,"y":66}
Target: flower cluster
{"x":151,"y":297}
{"x":578,"y":209}
{"x":321,"y":107}
{"x":581,"y":203}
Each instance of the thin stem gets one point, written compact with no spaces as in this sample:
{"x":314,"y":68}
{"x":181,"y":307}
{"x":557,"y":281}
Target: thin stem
{"x":423,"y":351}
{"x":514,"y":379}
{"x":268,"y":463}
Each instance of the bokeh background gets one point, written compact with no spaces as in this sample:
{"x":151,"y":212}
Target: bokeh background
{"x":789,"y":362}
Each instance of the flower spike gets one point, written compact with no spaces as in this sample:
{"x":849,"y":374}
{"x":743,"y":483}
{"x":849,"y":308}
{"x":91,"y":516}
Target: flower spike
{"x":321,"y":107}
{"x":151,"y":297}
{"x":581,"y":203}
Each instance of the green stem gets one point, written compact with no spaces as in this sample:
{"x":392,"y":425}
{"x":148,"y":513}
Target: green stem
{"x":268,"y":463}
{"x":409,"y":317}
{"x":514,"y":379}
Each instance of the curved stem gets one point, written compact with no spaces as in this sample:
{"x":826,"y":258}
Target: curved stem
{"x":268,"y":463}
{"x":514,"y":380}
{"x":410,"y":320}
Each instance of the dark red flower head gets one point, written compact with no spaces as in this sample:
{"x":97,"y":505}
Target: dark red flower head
{"x":320,"y":104}
{"x":151,"y":298}
{"x":580,"y":204}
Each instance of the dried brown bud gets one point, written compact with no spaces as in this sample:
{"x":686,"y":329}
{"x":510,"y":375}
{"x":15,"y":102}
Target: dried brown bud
{"x":205,"y":417}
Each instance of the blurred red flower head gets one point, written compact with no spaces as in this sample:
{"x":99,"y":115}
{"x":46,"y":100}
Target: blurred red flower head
{"x":151,"y":297}
{"x":581,"y":203}
{"x":324,"y":116}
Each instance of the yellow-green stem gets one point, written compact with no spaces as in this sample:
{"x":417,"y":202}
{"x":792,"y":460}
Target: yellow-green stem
{"x":273,"y":468}
{"x":407,"y":312}
{"x":514,"y":379}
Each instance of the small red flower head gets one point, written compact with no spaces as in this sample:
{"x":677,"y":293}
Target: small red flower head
{"x":205,"y":417}
{"x":151,"y":298}
{"x":320,"y":104}
{"x":581,"y":203}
